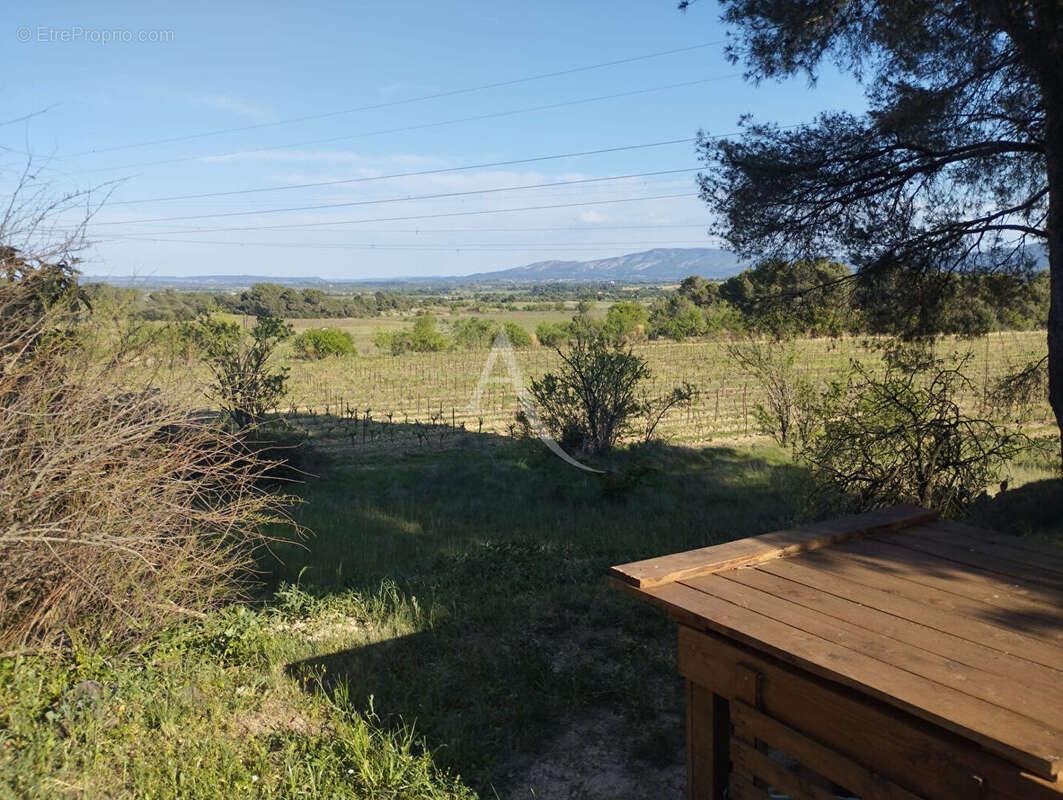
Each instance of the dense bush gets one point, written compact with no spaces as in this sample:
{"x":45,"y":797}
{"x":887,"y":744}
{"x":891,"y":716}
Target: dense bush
{"x":118,"y":507}
{"x":518,"y":337}
{"x":677,"y":317}
{"x":324,"y":342}
{"x":422,"y":337}
{"x":245,"y":386}
{"x":592,"y":400}
{"x":626,"y":321}
{"x":899,"y":435}
{"x":473,"y":333}
{"x":595,"y":398}
{"x":552,"y":334}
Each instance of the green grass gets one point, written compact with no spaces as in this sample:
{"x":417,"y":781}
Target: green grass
{"x":460,"y":594}
{"x":205,"y":710}
{"x":451,"y":622}
{"x":448,"y":620}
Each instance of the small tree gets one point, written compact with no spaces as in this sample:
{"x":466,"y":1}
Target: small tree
{"x":244,"y":384}
{"x":517,"y":336}
{"x":787,"y":395}
{"x":626,"y":320}
{"x":593,"y":399}
{"x":424,"y":338}
{"x":901,"y":436}
{"x":552,"y":334}
{"x":325,"y":342}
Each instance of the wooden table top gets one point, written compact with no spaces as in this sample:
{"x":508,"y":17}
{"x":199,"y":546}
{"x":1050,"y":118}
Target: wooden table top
{"x":960,"y":626}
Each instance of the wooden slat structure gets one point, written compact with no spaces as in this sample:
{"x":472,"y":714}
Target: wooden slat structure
{"x":882,"y":656}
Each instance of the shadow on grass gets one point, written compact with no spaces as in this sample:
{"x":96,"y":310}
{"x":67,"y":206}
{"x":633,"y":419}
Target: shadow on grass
{"x":510,"y":547}
{"x":1036,"y":508}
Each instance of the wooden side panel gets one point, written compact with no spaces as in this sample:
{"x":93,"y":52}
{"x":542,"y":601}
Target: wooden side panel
{"x":750,"y":726}
{"x":756,"y":549}
{"x":742,"y":788}
{"x":707,"y":744}
{"x":922,"y":759}
{"x":1019,"y":739}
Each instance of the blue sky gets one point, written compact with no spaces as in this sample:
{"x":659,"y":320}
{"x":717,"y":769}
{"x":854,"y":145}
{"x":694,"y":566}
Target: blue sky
{"x":214,"y":67}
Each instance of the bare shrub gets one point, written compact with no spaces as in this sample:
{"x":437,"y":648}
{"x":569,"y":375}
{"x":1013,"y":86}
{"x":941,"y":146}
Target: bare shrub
{"x":118,"y":508}
{"x":245,"y":385}
{"x":593,"y":401}
{"x":783,"y":413}
{"x":899,"y":435}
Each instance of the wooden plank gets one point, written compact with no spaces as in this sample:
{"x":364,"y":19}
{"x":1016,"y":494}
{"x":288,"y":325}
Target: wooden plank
{"x":756,"y":549}
{"x":1011,"y":598}
{"x":1038,"y":685}
{"x":751,"y":725}
{"x":908,"y":751}
{"x":1017,"y":738}
{"x":1015,"y":547}
{"x":981,"y":703}
{"x":862,"y":585}
{"x":750,"y":761}
{"x":741,"y":788}
{"x":708,"y":744}
{"x":968,"y":555}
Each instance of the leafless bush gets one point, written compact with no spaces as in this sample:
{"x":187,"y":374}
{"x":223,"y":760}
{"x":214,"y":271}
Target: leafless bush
{"x":118,"y":507}
{"x":900,"y":435}
{"x":783,"y":412}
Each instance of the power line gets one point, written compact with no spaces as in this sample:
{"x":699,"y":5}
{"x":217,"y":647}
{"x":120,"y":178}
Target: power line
{"x":418,"y":173}
{"x":391,"y":103}
{"x":300,"y":225}
{"x":581,"y":229}
{"x":418,"y":231}
{"x":422,"y":126}
{"x":438,"y":196}
{"x":473,"y":246}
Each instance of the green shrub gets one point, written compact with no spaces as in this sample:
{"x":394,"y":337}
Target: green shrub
{"x":552,"y":334}
{"x":626,"y":321}
{"x":591,"y":402}
{"x":244,"y":385}
{"x":424,"y":338}
{"x":901,"y":436}
{"x":473,"y":333}
{"x":325,"y":342}
{"x":518,"y":337}
{"x":677,"y":317}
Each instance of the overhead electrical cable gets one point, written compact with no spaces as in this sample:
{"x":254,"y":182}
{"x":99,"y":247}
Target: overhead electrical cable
{"x":408,"y":198}
{"x":405,"y":101}
{"x":301,"y":225}
{"x":347,"y":137}
{"x":416,"y":173}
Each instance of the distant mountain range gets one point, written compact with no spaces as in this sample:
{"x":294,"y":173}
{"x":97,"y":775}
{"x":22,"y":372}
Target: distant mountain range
{"x":662,"y":265}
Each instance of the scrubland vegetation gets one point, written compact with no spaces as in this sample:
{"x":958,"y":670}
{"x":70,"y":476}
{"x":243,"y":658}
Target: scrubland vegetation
{"x":407,"y":633}
{"x":289,"y":556}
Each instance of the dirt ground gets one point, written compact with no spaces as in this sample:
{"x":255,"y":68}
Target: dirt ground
{"x":590,"y":760}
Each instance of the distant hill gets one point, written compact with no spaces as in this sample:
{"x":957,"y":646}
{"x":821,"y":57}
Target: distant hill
{"x":211,"y":283}
{"x":661,"y":265}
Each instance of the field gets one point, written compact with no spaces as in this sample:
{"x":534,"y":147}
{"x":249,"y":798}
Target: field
{"x":368,"y":395}
{"x":444,"y":630}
